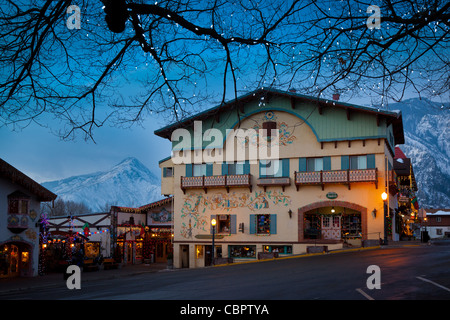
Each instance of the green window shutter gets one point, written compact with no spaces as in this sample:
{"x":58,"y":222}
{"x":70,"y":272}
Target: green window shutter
{"x":326,"y":163}
{"x":273,"y":224}
{"x":302,"y":164}
{"x":224,"y":168}
{"x":370,"y":161}
{"x":189,"y":170}
{"x":344,"y":162}
{"x":285,"y":168}
{"x":247,"y":167}
{"x":209,"y":169}
{"x":252,"y":223}
{"x":232,"y":223}
{"x":164,"y":172}
{"x":213,"y":216}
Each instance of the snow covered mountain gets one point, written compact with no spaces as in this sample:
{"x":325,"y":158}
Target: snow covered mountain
{"x":129,"y":184}
{"x":427,"y":142}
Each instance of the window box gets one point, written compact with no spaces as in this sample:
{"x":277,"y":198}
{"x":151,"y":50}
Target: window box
{"x":268,"y":182}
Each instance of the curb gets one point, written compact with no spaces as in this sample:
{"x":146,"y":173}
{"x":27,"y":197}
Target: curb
{"x":300,"y":256}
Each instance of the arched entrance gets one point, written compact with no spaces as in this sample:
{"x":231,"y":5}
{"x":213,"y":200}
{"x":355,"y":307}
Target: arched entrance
{"x":331,"y":221}
{"x":15,"y":259}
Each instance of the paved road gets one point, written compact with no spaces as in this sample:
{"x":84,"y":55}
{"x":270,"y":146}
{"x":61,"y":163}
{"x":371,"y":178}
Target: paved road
{"x":407,"y":273}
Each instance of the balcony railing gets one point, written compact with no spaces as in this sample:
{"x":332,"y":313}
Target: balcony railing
{"x":336,"y":176}
{"x":224,"y":181}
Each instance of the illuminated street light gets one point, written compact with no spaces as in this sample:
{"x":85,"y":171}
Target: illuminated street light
{"x":213,"y":224}
{"x":384,"y":196}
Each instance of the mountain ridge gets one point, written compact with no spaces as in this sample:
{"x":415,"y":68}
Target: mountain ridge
{"x":128,"y":183}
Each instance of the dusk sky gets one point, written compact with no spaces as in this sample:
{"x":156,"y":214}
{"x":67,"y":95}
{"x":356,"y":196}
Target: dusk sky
{"x":43,"y":156}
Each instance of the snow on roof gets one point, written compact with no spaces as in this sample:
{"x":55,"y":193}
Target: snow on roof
{"x":441,"y":212}
{"x":436,"y":212}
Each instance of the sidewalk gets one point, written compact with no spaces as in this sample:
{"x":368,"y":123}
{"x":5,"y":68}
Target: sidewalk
{"x":56,"y":279}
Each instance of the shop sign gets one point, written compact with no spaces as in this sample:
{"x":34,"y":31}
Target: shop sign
{"x":332,"y":195}
{"x":208,"y":236}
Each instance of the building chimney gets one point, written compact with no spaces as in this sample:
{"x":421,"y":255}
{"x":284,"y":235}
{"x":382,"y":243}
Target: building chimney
{"x":293,"y":90}
{"x":336,"y":96}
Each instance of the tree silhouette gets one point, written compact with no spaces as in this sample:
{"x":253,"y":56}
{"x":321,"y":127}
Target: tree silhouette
{"x":130,"y":59}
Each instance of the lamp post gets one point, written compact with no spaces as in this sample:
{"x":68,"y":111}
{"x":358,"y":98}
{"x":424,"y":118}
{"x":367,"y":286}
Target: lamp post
{"x":213,"y":224}
{"x":384,"y":197}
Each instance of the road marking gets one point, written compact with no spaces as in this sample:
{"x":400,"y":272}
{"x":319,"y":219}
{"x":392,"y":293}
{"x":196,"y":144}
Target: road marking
{"x":365,"y":294}
{"x":432,"y":282}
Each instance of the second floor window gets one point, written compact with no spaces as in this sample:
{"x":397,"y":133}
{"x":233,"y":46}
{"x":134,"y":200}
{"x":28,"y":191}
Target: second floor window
{"x":358,"y":162}
{"x":198,"y":170}
{"x":239,"y":167}
{"x":18,"y":203}
{"x":274,"y":168}
{"x":314,"y":164}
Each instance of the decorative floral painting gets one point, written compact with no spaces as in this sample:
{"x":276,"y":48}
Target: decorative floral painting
{"x":196,"y":204}
{"x":285,"y":133}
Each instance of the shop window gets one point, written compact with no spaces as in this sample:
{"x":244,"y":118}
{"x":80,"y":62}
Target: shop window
{"x":279,"y":249}
{"x":199,"y":251}
{"x":242,"y":251}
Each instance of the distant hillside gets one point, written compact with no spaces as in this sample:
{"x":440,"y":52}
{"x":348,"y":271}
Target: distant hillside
{"x":427,"y":134}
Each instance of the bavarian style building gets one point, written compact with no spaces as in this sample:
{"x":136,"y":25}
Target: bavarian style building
{"x":334,"y":162}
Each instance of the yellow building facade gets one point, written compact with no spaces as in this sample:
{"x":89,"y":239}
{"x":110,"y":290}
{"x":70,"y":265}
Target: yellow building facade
{"x":334,"y":160}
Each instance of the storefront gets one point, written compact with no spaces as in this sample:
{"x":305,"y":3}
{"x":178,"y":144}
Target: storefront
{"x":344,"y":222}
{"x":144,"y":234}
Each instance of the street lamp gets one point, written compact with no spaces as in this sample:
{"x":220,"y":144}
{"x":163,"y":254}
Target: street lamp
{"x":213,"y":224}
{"x":384,"y":196}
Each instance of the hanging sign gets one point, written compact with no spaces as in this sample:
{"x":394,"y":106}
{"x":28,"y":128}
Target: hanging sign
{"x":332,"y":195}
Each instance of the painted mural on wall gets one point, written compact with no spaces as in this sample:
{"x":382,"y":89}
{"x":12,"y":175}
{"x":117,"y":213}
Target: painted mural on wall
{"x":285,"y":132}
{"x":197,"y":203}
